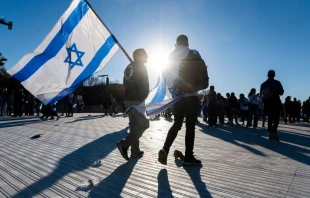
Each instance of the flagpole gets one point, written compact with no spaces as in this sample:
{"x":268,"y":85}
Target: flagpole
{"x":120,"y":46}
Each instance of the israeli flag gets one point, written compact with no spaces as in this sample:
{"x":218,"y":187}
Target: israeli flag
{"x":78,"y":46}
{"x":158,"y":99}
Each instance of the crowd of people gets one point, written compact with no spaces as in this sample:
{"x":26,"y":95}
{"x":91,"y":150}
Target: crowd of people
{"x":19,"y":102}
{"x":248,"y":109}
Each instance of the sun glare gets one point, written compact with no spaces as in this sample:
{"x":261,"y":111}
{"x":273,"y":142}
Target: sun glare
{"x":158,"y":60}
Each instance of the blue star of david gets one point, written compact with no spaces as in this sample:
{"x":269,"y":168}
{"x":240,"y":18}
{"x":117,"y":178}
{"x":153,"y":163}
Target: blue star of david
{"x":79,"y":55}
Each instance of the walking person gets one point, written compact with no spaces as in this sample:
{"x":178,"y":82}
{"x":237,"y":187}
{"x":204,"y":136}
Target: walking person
{"x":183,"y":108}
{"x":271,"y":90}
{"x":136,"y":84}
{"x":253,"y":108}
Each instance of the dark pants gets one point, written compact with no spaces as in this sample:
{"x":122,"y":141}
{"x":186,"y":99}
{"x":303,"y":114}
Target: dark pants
{"x":253,"y":111}
{"x":185,"y":107}
{"x":70,"y":109}
{"x":244,"y":115}
{"x":212,"y":113}
{"x":273,"y":108}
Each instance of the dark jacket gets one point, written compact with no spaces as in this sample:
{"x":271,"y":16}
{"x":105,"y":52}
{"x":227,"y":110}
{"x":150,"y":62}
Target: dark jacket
{"x":233,"y":102}
{"x":136,"y":82}
{"x":275,"y":85}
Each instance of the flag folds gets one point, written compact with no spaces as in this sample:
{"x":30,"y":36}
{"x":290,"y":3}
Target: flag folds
{"x":78,"y":46}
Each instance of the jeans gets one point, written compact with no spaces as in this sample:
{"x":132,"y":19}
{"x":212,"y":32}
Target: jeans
{"x":138,"y":123}
{"x":253,"y":111}
{"x":185,"y":107}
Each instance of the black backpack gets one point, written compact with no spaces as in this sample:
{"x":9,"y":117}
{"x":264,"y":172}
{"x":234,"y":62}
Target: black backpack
{"x":268,"y":92}
{"x":193,"y":74}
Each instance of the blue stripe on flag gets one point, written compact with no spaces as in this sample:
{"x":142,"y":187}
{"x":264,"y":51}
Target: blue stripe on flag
{"x":55,"y":45}
{"x":89,"y":70}
{"x":161,"y":91}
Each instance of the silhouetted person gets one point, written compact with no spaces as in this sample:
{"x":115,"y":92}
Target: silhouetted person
{"x":183,"y":108}
{"x":136,"y":84}
{"x":212,"y":107}
{"x":271,"y":90}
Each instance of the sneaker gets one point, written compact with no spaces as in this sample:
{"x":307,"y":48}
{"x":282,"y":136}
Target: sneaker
{"x":57,"y":118}
{"x":138,"y":155}
{"x":263,"y":126}
{"x":162,"y":157}
{"x":191,"y":161}
{"x":122,"y":150}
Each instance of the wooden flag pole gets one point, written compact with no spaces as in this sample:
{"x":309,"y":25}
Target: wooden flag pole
{"x":120,"y":46}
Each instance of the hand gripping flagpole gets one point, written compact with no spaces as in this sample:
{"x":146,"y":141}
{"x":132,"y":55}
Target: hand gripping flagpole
{"x":120,"y":46}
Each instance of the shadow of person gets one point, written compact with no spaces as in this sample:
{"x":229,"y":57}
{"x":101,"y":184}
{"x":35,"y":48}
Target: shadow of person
{"x":86,"y":118}
{"x":78,"y":160}
{"x":18,"y":123}
{"x":295,"y":148}
{"x":113,"y":184}
{"x":194,"y":174}
{"x":164,"y":190}
{"x":227,"y":134}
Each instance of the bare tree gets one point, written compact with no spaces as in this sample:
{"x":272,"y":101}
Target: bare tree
{"x":2,"y":60}
{"x":93,"y":81}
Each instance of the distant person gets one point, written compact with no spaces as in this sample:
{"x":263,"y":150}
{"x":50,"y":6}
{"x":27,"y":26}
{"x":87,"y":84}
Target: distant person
{"x":307,"y":109}
{"x":212,"y":107}
{"x":288,"y":106}
{"x":204,"y":108}
{"x":271,"y":90}
{"x":244,"y":107}
{"x":220,"y":108}
{"x":253,"y":108}
{"x":227,"y":107}
{"x":71,"y":102}
{"x":233,"y":107}
{"x":80,"y":103}
{"x":136,"y":84}
{"x":186,"y":106}
{"x":3,"y":101}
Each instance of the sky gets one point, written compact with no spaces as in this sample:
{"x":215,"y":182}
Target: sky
{"x":239,"y":40}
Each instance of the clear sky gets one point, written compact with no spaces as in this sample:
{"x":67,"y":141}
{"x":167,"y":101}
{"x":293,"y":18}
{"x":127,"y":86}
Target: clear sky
{"x":240,"y":40}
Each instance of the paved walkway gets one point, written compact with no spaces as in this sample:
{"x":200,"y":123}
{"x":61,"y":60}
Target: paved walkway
{"x":237,"y":162}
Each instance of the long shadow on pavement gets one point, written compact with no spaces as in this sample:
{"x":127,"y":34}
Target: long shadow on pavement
{"x":194,"y":174}
{"x":86,"y":118}
{"x":164,"y":190}
{"x":113,"y":184}
{"x":248,"y":136}
{"x":18,"y":123}
{"x":78,"y":160}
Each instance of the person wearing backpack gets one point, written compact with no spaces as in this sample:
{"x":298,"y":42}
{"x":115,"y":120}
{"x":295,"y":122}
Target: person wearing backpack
{"x":271,"y":90}
{"x":136,"y":83}
{"x":185,"y":75}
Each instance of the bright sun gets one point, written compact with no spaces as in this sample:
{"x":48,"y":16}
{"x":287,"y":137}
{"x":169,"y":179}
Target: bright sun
{"x":157,"y":60}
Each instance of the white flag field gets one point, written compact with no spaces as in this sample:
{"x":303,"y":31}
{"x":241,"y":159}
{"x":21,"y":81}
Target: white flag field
{"x":78,"y":46}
